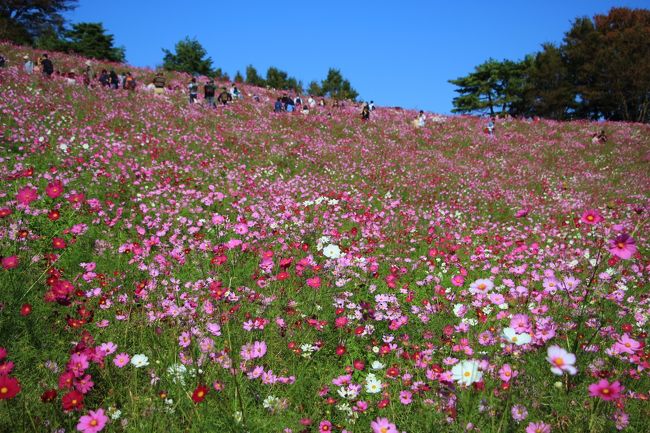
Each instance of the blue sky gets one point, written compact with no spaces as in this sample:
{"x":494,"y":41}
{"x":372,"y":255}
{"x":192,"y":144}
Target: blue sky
{"x":397,"y":53}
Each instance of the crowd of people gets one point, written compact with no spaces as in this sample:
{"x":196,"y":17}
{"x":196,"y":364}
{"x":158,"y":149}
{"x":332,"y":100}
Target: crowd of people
{"x":109,"y":78}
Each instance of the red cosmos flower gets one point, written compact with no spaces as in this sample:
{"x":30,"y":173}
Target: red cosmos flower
{"x":49,"y":396}
{"x":4,"y":212}
{"x":9,"y":387}
{"x":58,"y":243}
{"x":340,"y":322}
{"x":199,"y":393}
{"x":26,"y":195}
{"x":6,"y":368}
{"x":25,"y":310}
{"x":74,"y":400}
{"x":10,"y":262}
{"x":54,"y":215}
{"x":54,"y":189}
{"x":340,"y":350}
{"x":359,"y":364}
{"x":282,"y":276}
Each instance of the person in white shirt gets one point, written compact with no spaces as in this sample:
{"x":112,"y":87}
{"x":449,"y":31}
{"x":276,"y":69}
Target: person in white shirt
{"x":29,"y":65}
{"x":311,"y":101}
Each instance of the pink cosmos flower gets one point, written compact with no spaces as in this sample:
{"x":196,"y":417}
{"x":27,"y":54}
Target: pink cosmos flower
{"x":561,"y":360}
{"x":26,"y":195}
{"x":506,"y":373}
{"x":314,"y":283}
{"x":325,"y":427}
{"x":626,"y":345}
{"x":538,"y":427}
{"x":93,"y":422}
{"x":481,"y":286}
{"x":9,"y":262}
{"x":382,"y":425}
{"x":121,"y":360}
{"x":591,"y":217}
{"x":605,"y":390}
{"x":458,"y":280}
{"x":54,"y":189}
{"x":622,"y":246}
{"x":405,"y":397}
{"x":184,"y":339}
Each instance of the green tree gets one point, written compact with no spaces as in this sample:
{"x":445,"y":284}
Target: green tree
{"x":252,"y":77}
{"x":22,"y":21}
{"x":189,"y":57}
{"x":239,"y":78}
{"x":548,"y":91}
{"x":337,"y":87}
{"x":279,"y":79}
{"x":315,"y":89}
{"x":608,"y":59}
{"x":91,"y":40}
{"x":492,"y":85}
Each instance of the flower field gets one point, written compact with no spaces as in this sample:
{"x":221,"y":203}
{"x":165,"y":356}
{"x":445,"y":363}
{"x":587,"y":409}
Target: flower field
{"x":173,"y":267}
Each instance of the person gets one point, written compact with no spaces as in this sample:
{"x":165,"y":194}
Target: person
{"x":194,"y":90}
{"x":490,"y":126}
{"x":224,"y":97}
{"x":3,"y":61}
{"x":129,"y":82}
{"x":599,"y":137}
{"x":305,"y":109}
{"x":288,"y":103}
{"x":104,"y":78}
{"x":208,"y":92}
{"x":115,"y":81}
{"x":120,"y":80}
{"x":89,"y":74}
{"x":365,"y":111}
{"x":278,"y":108}
{"x":298,"y":101}
{"x":234,"y":92}
{"x":159,"y":84}
{"x":47,"y":66}
{"x":28,"y":66}
{"x":420,"y":120}
{"x":311,"y":102}
{"x":371,"y":106}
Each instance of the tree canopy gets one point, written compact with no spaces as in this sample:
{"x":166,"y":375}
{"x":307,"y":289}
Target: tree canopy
{"x":600,"y":71}
{"x":334,"y":86}
{"x":189,"y":56}
{"x":279,"y":79}
{"x":22,"y":21}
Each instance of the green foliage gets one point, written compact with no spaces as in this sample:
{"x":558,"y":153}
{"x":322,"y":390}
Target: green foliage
{"x":252,"y":77}
{"x":491,"y":86}
{"x":335,"y":86}
{"x":189,"y":57}
{"x":314,"y":89}
{"x":91,"y":40}
{"x":279,"y":79}
{"x":23,"y":21}
{"x":602,"y":70}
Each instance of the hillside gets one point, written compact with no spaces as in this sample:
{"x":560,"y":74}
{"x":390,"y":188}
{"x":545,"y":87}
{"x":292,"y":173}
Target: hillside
{"x":278,"y":259}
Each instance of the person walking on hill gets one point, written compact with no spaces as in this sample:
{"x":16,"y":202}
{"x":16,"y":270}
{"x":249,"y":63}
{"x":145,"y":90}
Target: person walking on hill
{"x":420,"y":120}
{"x":208,"y":93}
{"x":104,"y":78}
{"x":89,"y":74}
{"x":47,"y":66}
{"x":115,"y":81}
{"x":129,"y":82}
{"x":224,"y":97}
{"x":278,"y":107}
{"x":490,"y":127}
{"x":194,"y":90}
{"x":365,"y":111}
{"x":159,"y":84}
{"x":28,"y":66}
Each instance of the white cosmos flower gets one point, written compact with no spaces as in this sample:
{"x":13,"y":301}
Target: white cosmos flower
{"x":466,"y":372}
{"x":373,"y":385}
{"x":376,"y":365}
{"x":511,"y":336}
{"x":139,"y":360}
{"x":332,"y":251}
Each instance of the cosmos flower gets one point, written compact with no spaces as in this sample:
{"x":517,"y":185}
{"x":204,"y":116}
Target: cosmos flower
{"x":561,"y":361}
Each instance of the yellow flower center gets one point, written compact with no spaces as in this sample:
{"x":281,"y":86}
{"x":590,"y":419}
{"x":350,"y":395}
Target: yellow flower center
{"x":606,"y":391}
{"x":621,"y":245}
{"x":93,"y":423}
{"x":467,"y":374}
{"x":4,"y":390}
{"x":559,"y":362}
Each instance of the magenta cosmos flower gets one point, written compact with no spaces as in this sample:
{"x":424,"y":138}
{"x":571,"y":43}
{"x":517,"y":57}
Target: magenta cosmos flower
{"x":382,"y":425}
{"x":622,"y":246}
{"x":26,"y":195}
{"x":591,"y":217}
{"x":93,"y":422}
{"x":605,"y":390}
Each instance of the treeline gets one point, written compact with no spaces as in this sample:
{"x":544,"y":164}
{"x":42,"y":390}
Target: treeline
{"x":600,"y":71}
{"x":190,"y":56}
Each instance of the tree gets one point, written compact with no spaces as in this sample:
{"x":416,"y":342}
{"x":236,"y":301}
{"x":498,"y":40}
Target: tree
{"x":492,"y":85}
{"x":337,"y":87}
{"x":239,"y":78}
{"x":549,"y":92}
{"x":279,"y":79}
{"x":22,"y":21}
{"x":609,"y":62}
{"x":252,"y":77}
{"x":315,"y":89}
{"x":189,"y":57}
{"x":91,"y":40}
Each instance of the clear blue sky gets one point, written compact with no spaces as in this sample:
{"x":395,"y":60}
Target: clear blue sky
{"x":397,"y":53}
